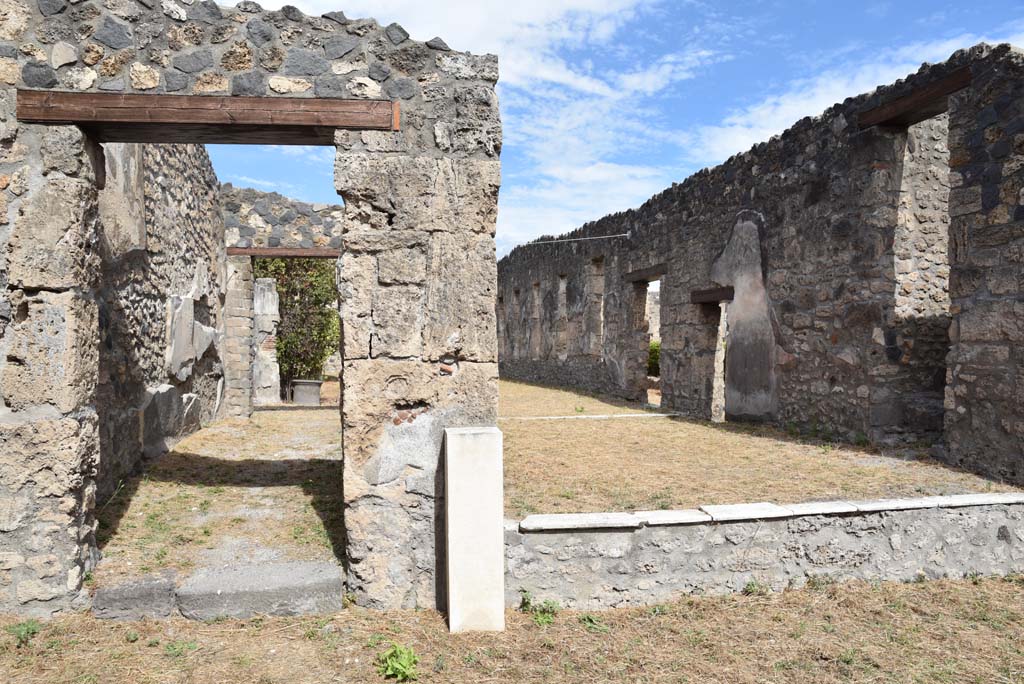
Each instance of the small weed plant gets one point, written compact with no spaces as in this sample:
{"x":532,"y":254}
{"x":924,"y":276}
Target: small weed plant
{"x":398,"y":663}
{"x":594,"y":624}
{"x":756,"y":588}
{"x":543,"y":613}
{"x":24,"y":631}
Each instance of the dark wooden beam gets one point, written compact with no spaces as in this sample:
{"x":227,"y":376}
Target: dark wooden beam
{"x":113,"y":117}
{"x":286,"y":252}
{"x":648,"y":274}
{"x":711,"y":296}
{"x":924,"y":103}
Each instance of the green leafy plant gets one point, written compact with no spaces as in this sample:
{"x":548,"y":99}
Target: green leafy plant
{"x":756,"y":588}
{"x":654,"y":359}
{"x":24,"y":631}
{"x":398,"y":662}
{"x":593,"y":623}
{"x":309,"y":331}
{"x":543,"y":613}
{"x":176,"y":649}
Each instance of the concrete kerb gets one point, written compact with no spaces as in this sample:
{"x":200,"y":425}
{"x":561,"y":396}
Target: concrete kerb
{"x":750,"y":512}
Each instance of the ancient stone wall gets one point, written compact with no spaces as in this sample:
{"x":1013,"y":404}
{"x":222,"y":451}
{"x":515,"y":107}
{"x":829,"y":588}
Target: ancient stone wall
{"x":418,"y":277}
{"x":267,"y":219}
{"x":834,"y":241}
{"x":161,"y":301}
{"x":266,"y":373}
{"x":985,"y":382}
{"x":643,"y":559}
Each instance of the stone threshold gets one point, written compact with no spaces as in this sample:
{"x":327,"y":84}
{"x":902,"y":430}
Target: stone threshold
{"x":750,"y":512}
{"x":608,"y":416}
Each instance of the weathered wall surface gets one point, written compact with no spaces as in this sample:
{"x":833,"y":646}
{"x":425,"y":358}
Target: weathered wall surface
{"x":985,"y":384}
{"x":604,"y":568}
{"x":418,"y":234}
{"x":267,"y":219}
{"x":266,"y":373}
{"x":835,"y":242}
{"x":161,"y":302}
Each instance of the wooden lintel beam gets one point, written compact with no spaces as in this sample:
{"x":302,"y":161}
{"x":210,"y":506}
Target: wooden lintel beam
{"x":713,"y":295}
{"x":286,"y":252}
{"x":924,"y":103}
{"x":209,"y":118}
{"x":650,"y":273}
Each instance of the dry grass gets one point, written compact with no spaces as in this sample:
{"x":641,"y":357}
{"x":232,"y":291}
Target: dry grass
{"x":272,"y":482}
{"x":518,"y":399}
{"x":658,"y":463}
{"x":960,"y":632}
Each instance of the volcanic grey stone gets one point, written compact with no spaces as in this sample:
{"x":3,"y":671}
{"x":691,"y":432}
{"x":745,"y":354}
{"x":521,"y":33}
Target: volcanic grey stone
{"x":113,"y":34}
{"x":340,"y":45}
{"x":330,"y":86}
{"x":150,"y":597}
{"x":401,"y":88}
{"x":300,"y":62}
{"x":287,"y":588}
{"x":174,"y":81}
{"x":38,"y":75}
{"x":338,"y":17}
{"x":115,"y":85}
{"x":253,"y":84}
{"x":292,"y":12}
{"x":194,"y":62}
{"x":396,"y":34}
{"x":9,"y":51}
{"x":260,"y":32}
{"x":50,"y":7}
{"x":207,"y":12}
{"x":438,"y":44}
{"x":249,"y":7}
{"x":379,"y":71}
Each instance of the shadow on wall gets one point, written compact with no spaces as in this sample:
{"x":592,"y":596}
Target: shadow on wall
{"x":320,"y":479}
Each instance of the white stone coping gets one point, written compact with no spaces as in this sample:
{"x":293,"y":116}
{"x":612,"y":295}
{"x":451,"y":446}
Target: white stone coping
{"x":603,"y":416}
{"x":579,"y":521}
{"x":763,"y":510}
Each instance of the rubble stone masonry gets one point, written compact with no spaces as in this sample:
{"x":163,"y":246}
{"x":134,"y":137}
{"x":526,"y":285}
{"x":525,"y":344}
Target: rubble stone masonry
{"x":874,"y":270}
{"x":417,"y":280}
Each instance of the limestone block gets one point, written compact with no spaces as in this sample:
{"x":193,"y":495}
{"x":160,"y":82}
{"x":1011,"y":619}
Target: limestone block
{"x":397,"y":321}
{"x":121,"y":201}
{"x":46,"y":451}
{"x":52,"y":356}
{"x":266,"y":305}
{"x":402,"y":266}
{"x":53,"y":243}
{"x":421,"y":193}
{"x":459,"y":307}
{"x":162,"y":417}
{"x":474,"y":532}
{"x":181,"y":328}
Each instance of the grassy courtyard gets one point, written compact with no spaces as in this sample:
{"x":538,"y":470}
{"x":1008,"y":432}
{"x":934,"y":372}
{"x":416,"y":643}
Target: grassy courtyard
{"x":580,"y":465}
{"x":254,"y":490}
{"x":963,"y":632}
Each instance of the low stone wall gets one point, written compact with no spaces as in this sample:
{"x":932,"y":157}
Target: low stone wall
{"x":604,"y":560}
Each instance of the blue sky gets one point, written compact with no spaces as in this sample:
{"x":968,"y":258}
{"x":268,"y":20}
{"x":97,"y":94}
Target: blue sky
{"x":606,"y":102}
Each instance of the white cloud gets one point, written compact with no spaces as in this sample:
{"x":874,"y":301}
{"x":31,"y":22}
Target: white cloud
{"x":811,"y":96}
{"x":264,"y":184}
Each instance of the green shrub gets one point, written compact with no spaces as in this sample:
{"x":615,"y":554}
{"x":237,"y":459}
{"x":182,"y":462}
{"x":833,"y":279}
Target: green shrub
{"x":398,"y":662}
{"x":309,"y":331}
{"x":654,"y":359}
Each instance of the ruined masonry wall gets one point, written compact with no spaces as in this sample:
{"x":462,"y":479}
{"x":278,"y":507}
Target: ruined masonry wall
{"x":587,"y":569}
{"x":835,"y":241}
{"x":266,"y":219}
{"x":160,"y":302}
{"x":985,"y":383}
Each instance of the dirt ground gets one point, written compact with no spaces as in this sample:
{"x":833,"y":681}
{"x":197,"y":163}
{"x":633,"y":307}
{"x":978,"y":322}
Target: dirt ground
{"x":238,"y":491}
{"x":954,"y":632}
{"x":581,"y":465}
